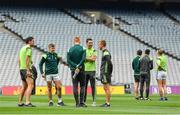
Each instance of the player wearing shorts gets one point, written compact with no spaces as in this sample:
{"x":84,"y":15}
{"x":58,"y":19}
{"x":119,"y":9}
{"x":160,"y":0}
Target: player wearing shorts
{"x":161,"y":74}
{"x":135,"y":66}
{"x":51,"y":60}
{"x":106,"y":71}
{"x":27,"y":77}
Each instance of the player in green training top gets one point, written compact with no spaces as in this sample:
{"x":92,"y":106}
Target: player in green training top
{"x":25,"y":65}
{"x":90,"y":69}
{"x":161,"y":74}
{"x":135,"y":66}
{"x":51,"y":60}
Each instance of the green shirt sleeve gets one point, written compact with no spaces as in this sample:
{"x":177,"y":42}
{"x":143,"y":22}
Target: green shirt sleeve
{"x":83,"y":58}
{"x":43,"y":59}
{"x":95,"y":53}
{"x":158,"y":61}
{"x":71,"y":63}
{"x":28,"y":52}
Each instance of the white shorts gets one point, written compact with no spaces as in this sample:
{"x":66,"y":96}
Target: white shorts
{"x":161,"y":75}
{"x":52,"y":77}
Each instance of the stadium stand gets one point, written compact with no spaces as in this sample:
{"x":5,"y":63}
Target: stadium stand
{"x":55,"y":26}
{"x":174,"y":13}
{"x":150,"y":26}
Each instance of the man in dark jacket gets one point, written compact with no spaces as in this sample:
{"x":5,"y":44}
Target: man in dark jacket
{"x":135,"y":66}
{"x":75,"y":58}
{"x":106,"y":71}
{"x":146,"y":64}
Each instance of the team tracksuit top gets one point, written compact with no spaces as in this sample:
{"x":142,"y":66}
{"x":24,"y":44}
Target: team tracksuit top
{"x":76,"y":57}
{"x":106,"y":64}
{"x":51,"y":61}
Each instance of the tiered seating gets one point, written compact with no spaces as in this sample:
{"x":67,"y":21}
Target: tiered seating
{"x":159,"y":36}
{"x":174,"y":12}
{"x":150,"y":26}
{"x":48,"y":27}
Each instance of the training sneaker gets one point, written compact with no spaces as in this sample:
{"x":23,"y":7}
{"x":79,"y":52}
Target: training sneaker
{"x":21,"y":105}
{"x":161,"y":99}
{"x":51,"y":103}
{"x":29,"y":105}
{"x":137,"y":98}
{"x":77,"y":105}
{"x":147,"y":98}
{"x":105,"y":105}
{"x":82,"y":105}
{"x":165,"y":98}
{"x":94,"y":104}
{"x":60,"y":104}
{"x":141,"y":98}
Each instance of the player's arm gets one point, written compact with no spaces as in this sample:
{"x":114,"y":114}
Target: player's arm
{"x":139,"y":64}
{"x":42,"y":61}
{"x":70,"y":62}
{"x":19,"y":62}
{"x":28,"y":61}
{"x":28,"y":66}
{"x":105,"y":62}
{"x":133,"y":64}
{"x":158,"y":63}
{"x":151,"y":64}
{"x":61,"y":61}
{"x":92,"y":58}
{"x":82,"y":59}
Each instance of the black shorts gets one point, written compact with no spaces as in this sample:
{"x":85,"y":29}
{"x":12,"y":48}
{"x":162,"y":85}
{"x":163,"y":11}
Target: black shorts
{"x":137,"y":78}
{"x":23,"y":74}
{"x":106,"y":79}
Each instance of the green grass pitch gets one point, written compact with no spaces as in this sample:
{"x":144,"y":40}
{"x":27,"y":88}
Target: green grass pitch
{"x":120,"y":104}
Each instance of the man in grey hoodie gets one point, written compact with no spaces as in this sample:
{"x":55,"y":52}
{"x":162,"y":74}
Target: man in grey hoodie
{"x":146,"y":65}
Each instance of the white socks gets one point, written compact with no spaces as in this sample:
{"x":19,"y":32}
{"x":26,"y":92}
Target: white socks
{"x":59,"y":100}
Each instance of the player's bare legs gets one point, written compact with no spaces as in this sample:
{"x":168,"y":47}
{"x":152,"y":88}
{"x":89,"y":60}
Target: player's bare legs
{"x":49,"y":87}
{"x":108,"y":93}
{"x":22,"y":92}
{"x":58,"y":87}
{"x":30,"y":86}
{"x":160,"y":88}
{"x":136,"y":85}
{"x":164,"y":89}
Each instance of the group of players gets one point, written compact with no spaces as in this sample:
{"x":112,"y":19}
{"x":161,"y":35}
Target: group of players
{"x":82,"y":63}
{"x":142,"y":65}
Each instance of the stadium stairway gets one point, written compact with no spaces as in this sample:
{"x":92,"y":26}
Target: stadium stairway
{"x":75,"y":16}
